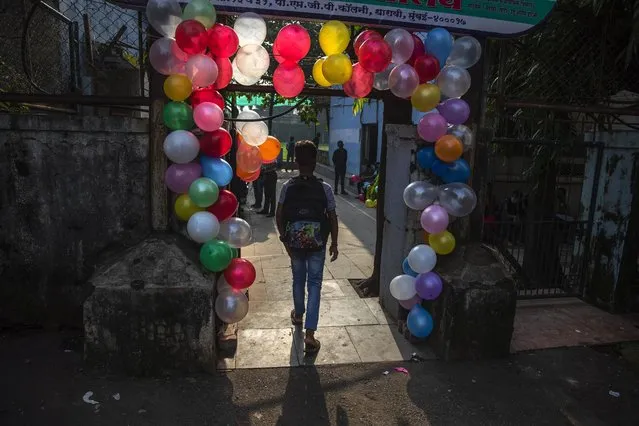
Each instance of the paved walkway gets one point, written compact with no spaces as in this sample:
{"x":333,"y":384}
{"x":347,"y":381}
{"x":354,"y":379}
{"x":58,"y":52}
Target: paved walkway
{"x":351,"y":329}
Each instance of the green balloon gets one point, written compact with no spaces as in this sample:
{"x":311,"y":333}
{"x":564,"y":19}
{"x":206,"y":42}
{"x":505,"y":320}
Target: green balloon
{"x":202,"y":11}
{"x":216,"y":255}
{"x":178,"y":116}
{"x":204,"y":192}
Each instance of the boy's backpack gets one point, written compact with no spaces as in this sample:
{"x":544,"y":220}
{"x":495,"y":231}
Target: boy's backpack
{"x":305,"y":214}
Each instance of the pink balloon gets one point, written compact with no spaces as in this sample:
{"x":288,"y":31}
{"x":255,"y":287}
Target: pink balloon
{"x":208,"y":116}
{"x":293,"y":42}
{"x":201,"y":70}
{"x":403,"y":80}
{"x":375,"y":54}
{"x":179,"y":177}
{"x":434,"y":219}
{"x":288,"y":80}
{"x":432,"y":126}
{"x":361,"y":82}
{"x":408,"y":304}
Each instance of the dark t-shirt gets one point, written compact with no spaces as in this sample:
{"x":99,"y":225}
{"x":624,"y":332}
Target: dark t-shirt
{"x":340,"y":157}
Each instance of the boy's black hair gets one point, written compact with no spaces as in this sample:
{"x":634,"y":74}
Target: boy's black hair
{"x":305,"y":153}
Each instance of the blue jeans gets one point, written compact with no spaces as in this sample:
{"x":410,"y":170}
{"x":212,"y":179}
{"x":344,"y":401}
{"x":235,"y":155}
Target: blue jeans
{"x":308,"y":269}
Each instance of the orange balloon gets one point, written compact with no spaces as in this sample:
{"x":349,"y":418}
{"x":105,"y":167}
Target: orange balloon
{"x":448,"y":148}
{"x":247,"y":177}
{"x":270,"y":149}
{"x":248,"y":158}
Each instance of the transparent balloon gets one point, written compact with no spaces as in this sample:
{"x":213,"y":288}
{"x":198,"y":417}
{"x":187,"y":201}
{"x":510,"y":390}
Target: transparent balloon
{"x":466,"y":52}
{"x":202,"y":227}
{"x":252,"y":60}
{"x":208,"y":116}
{"x":457,"y":198}
{"x":403,"y":81}
{"x":453,"y":81}
{"x":201,"y":70}
{"x":250,"y":29}
{"x":236,"y":232}
{"x":231,"y":306}
{"x":434,"y":219}
{"x":419,"y":195}
{"x":401,"y":43}
{"x":245,"y":115}
{"x":222,"y":285}
{"x":422,"y":259}
{"x":464,"y":134}
{"x":181,"y":146}
{"x":241,"y":78}
{"x":402,"y":287}
{"x":255,"y":133}
{"x":201,"y":11}
{"x":381,"y":78}
{"x":164,"y":16}
{"x":167,"y":58}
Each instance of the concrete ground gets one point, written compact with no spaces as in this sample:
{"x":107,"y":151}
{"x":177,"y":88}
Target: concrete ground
{"x":351,"y":329}
{"x":43,"y":382}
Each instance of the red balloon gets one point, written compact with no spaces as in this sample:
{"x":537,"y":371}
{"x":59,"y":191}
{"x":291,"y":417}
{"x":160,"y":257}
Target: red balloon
{"x":375,"y":55}
{"x":222,"y":41}
{"x":224,"y":73}
{"x":293,"y":42}
{"x":240,"y":274}
{"x":360,"y":84}
{"x":191,"y":37}
{"x":427,"y":68}
{"x":288,"y":80}
{"x":207,"y":94}
{"x":362,"y":37}
{"x":225,"y":206}
{"x":418,"y":50}
{"x":276,"y":52}
{"x":216,"y":144}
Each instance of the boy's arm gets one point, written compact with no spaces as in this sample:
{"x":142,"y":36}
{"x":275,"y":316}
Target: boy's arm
{"x":332,"y":217}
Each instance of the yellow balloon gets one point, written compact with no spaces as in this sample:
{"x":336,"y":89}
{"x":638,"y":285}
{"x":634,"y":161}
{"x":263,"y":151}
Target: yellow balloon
{"x":442,"y":243}
{"x":185,"y":207}
{"x":337,"y":68}
{"x":178,"y":87}
{"x":370,"y":203}
{"x":318,"y":74}
{"x":426,"y":97}
{"x":334,"y":37}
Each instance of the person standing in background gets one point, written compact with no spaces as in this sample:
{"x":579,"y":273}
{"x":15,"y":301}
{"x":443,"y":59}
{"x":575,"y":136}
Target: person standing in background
{"x":269,"y":172}
{"x":316,"y":140}
{"x":290,"y":152}
{"x":258,"y":192}
{"x":340,"y":158}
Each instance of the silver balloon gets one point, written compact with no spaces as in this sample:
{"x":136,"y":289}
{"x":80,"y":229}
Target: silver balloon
{"x":458,"y":199}
{"x":231,"y":306}
{"x":164,"y":16}
{"x":419,"y":195}
{"x":237,"y":232}
{"x":464,"y":134}
{"x":466,"y":52}
{"x":402,"y":287}
{"x":203,"y":227}
{"x":422,"y":259}
{"x":453,"y":81}
{"x":401,"y":43}
{"x":181,"y":146}
{"x":381,"y":78}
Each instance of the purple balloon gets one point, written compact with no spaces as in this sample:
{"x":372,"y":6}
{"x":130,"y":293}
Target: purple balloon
{"x":432,"y":127}
{"x":179,"y":177}
{"x":429,"y":285}
{"x":455,"y":111}
{"x":434,"y":219}
{"x":408,"y":304}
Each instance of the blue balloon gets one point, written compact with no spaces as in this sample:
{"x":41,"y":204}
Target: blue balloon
{"x":420,"y":323}
{"x":440,"y":168}
{"x":439,"y":43}
{"x":407,"y":269}
{"x":217,"y":170}
{"x":458,"y":171}
{"x":426,"y":157}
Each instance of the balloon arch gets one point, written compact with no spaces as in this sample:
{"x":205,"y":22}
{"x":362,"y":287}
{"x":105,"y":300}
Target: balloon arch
{"x":195,"y":54}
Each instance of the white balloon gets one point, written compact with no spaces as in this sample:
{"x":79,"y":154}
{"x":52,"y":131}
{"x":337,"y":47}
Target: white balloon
{"x":422,"y":259}
{"x":245,"y":115}
{"x":250,"y":29}
{"x":181,"y":146}
{"x":231,"y":306}
{"x":203,"y":227}
{"x":402,"y":287}
{"x":465,"y":53}
{"x":252,"y":60}
{"x":241,"y":78}
{"x":255,"y":133}
{"x":381,"y":78}
{"x":164,"y":16}
{"x":419,"y":195}
{"x":236,"y":232}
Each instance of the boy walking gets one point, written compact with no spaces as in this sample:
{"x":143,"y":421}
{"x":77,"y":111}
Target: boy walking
{"x":340,"y":159}
{"x":305,"y":217}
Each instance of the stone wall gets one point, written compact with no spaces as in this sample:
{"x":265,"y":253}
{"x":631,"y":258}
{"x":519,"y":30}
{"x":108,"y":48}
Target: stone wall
{"x":71,"y":189}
